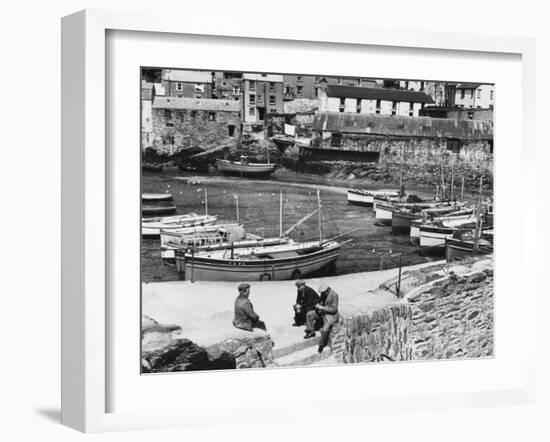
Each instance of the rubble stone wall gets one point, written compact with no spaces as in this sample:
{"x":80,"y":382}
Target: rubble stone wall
{"x":453,"y":318}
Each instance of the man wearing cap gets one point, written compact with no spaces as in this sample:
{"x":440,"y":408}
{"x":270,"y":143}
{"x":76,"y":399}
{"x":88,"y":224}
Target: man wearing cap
{"x":245,"y":316}
{"x":327,"y":309}
{"x":306,"y":299}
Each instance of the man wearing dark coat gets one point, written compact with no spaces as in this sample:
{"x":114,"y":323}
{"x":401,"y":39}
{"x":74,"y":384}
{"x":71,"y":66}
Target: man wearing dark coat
{"x":306,"y":298}
{"x":245,"y":317}
{"x":327,"y":309}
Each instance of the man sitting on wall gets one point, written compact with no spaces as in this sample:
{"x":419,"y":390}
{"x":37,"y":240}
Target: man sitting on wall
{"x":245,"y":317}
{"x":327,"y":309}
{"x":306,"y":298}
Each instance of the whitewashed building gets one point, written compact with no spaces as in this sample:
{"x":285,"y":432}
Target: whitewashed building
{"x":381,"y":101}
{"x":470,"y":95}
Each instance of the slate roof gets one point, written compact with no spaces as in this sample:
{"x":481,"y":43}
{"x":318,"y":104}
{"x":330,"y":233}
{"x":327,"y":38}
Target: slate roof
{"x":264,"y":77}
{"x":377,"y":93}
{"x":187,"y":76}
{"x":394,"y":125}
{"x":468,"y":85}
{"x":208,"y":104}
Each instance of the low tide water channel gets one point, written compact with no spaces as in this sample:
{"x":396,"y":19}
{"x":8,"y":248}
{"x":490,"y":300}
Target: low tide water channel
{"x":370,"y":248}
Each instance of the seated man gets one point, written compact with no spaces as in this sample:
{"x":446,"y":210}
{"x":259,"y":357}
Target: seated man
{"x":306,"y":299}
{"x":326,"y":309}
{"x":245,"y":317}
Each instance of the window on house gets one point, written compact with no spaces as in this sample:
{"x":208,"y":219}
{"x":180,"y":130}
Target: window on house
{"x":231,"y":130}
{"x":167,"y":114}
{"x":358,"y":106}
{"x":358,"y":82}
{"x":479,"y":93}
{"x":316,"y":92}
{"x":211,"y":116}
{"x":394,"y":108}
{"x":339,"y":80}
{"x":252,"y":86}
{"x":193,"y":113}
{"x":378,"y":106}
{"x":299,"y":90}
{"x":470,"y":115}
{"x":336,"y":140}
{"x":453,"y":145}
{"x":342,"y":104}
{"x":421,"y":85}
{"x":317,"y":79}
{"x":272,"y":111}
{"x":179,"y":87}
{"x":299,"y":78}
{"x":251,"y":111}
{"x":271,"y":87}
{"x":272,"y":100}
{"x":236,"y":90}
{"x":252,"y":99}
{"x":411,"y":109}
{"x":406,"y":84}
{"x":169,"y":124}
{"x":182,"y":116}
{"x":492,"y":94}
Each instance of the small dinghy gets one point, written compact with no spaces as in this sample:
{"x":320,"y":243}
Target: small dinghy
{"x":157,"y":210}
{"x":156,"y":197}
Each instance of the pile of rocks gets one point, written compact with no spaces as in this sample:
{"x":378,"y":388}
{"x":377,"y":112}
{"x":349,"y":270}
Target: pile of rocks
{"x":164,"y":351}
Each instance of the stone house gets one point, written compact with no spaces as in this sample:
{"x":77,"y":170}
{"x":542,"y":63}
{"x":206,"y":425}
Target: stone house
{"x":187,"y":84}
{"x":469,"y":95}
{"x":378,"y":101}
{"x":147,"y":96}
{"x":262,"y":95}
{"x":227,"y":85}
{"x":192,"y":123}
{"x":368,"y":138}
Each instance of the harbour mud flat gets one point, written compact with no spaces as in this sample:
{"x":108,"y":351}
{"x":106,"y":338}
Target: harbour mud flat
{"x":443,"y":312}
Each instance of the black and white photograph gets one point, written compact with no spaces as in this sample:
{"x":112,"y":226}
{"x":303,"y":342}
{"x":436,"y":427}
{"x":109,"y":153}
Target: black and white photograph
{"x":292,"y":220}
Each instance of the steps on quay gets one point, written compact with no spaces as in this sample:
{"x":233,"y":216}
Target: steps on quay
{"x":306,"y":356}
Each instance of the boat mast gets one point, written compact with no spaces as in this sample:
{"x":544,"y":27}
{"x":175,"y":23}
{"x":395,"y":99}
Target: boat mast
{"x":462,"y":190}
{"x":320,"y":220}
{"x":206,"y":201}
{"x":452,"y":182}
{"x":237,"y":205}
{"x":478,"y":216}
{"x":280,"y":213}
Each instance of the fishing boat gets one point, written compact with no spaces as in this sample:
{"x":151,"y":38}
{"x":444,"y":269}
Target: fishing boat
{"x":152,"y":167}
{"x":383,"y":212}
{"x":364,"y":197}
{"x":402,"y":217}
{"x":244,"y":168}
{"x":290,"y":260}
{"x":277,"y":263}
{"x":414,"y":234}
{"x":154,"y":197}
{"x":158,"y":210}
{"x":464,"y":245}
{"x":433,"y":235}
{"x":151,"y":227}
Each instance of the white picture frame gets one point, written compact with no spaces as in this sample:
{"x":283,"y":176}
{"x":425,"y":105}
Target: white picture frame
{"x":85,"y":214}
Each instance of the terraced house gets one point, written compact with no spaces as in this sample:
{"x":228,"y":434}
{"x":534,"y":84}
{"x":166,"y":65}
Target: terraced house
{"x":379,"y":101}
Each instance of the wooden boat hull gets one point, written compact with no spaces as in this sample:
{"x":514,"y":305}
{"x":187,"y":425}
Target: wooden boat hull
{"x":457,"y":249}
{"x":237,"y":168}
{"x":414,"y":233}
{"x":156,"y":197}
{"x":158,"y":210}
{"x":432,"y":237}
{"x":401,"y":222}
{"x":383,"y":214}
{"x":278,"y":269}
{"x":202,"y":236}
{"x":366,"y":197}
{"x":152,"y":167}
{"x":151,"y":228}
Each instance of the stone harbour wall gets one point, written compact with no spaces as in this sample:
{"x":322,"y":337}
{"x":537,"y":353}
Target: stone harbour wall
{"x":449,"y":318}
